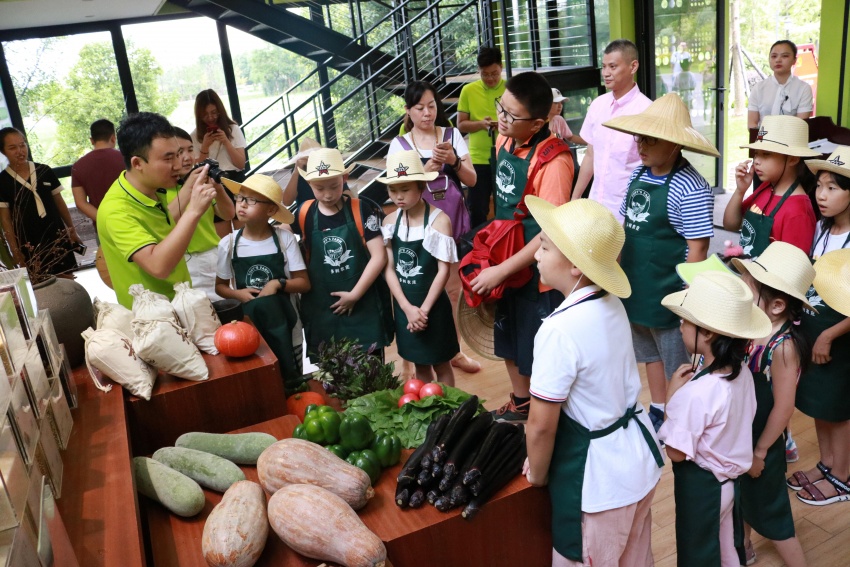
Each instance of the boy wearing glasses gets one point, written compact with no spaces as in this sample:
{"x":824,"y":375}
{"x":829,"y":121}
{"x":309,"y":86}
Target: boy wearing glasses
{"x":262,"y":267}
{"x":476,"y":116}
{"x":668,"y":211}
{"x":530,"y":160}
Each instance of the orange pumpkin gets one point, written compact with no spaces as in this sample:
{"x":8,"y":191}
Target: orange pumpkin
{"x":296,"y":404}
{"x":237,"y":338}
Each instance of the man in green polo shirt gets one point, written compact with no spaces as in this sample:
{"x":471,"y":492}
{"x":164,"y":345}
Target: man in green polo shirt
{"x":141,"y":242}
{"x":476,"y":116}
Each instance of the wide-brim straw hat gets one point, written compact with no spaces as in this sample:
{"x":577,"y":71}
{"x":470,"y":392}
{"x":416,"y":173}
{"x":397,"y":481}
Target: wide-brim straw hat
{"x":268,"y":188}
{"x":837,"y":162}
{"x":689,"y":270}
{"x":667,"y":118}
{"x":720,"y":302}
{"x":557,"y":96}
{"x":832,"y":280}
{"x":308,"y":145}
{"x":783,"y":267}
{"x":589,"y":236}
{"x":324,"y":163}
{"x":784,"y":134}
{"x":404,"y":167}
{"x":475,"y":325}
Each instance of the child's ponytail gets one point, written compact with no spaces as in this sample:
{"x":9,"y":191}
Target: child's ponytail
{"x":801,"y":341}
{"x":730,"y":352}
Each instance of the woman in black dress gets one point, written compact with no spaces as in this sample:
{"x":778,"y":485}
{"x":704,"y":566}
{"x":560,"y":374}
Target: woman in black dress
{"x":35,"y":219}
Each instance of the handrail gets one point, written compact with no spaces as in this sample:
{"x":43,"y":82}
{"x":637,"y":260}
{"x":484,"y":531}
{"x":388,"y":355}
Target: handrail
{"x":274,"y":102}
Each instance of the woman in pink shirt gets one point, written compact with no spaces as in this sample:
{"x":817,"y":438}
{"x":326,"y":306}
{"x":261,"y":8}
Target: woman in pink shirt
{"x":710,"y":410}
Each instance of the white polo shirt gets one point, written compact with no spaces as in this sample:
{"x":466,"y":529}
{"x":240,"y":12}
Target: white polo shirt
{"x":769,"y":98}
{"x":583,"y":358}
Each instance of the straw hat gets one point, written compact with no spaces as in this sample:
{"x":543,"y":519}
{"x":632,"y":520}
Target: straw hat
{"x":307,"y":146}
{"x":838,"y":162}
{"x":666,"y":119}
{"x":475,"y":325}
{"x":721,"y":303}
{"x":268,"y":188}
{"x":786,"y":135}
{"x":689,"y":270}
{"x":589,"y":236}
{"x":832,"y":280}
{"x":557,"y":96}
{"x":782,"y":266}
{"x":324,"y":163}
{"x":404,"y":167}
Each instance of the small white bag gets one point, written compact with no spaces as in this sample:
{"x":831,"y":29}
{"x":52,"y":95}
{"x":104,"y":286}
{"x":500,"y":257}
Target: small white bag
{"x":113,"y":316}
{"x":149,"y":305}
{"x":197,"y":316}
{"x":164,"y":344}
{"x":111,"y":352}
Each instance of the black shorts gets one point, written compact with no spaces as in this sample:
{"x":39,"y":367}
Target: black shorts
{"x":517,"y":321}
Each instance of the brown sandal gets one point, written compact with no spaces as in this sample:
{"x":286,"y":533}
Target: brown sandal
{"x":803,"y":480}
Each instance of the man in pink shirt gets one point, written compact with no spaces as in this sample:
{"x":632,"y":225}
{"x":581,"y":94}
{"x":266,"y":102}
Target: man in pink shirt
{"x":611,"y":156}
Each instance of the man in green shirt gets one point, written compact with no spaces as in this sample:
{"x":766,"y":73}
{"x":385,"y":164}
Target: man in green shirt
{"x":476,"y":116}
{"x":141,"y":242}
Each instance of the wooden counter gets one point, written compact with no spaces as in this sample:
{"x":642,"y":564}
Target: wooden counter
{"x":513,"y":529}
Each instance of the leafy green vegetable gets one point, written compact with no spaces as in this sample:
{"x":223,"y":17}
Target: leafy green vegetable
{"x":347,"y":370}
{"x":410,"y":421}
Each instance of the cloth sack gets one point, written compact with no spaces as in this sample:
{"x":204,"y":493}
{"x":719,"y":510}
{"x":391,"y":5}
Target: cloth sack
{"x":113,"y":316}
{"x":164,"y":344}
{"x":111,"y":352}
{"x":149,"y":305}
{"x":197,"y":316}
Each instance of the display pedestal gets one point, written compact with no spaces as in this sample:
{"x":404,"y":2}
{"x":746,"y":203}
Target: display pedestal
{"x":513,"y":528}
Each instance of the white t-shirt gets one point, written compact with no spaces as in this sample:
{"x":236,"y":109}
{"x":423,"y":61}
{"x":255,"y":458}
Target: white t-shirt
{"x":248,"y":248}
{"x":217,"y":149}
{"x":440,"y":246}
{"x":827,"y":242}
{"x":583,"y":357}
{"x":769,"y":98}
{"x":458,"y":143}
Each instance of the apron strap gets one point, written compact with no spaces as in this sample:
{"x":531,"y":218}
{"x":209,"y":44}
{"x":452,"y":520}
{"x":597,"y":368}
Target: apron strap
{"x":631,"y":414}
{"x":424,"y":219}
{"x":782,"y":200}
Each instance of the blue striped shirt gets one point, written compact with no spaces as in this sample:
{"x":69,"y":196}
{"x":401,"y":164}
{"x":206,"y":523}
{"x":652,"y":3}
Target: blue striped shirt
{"x":690,"y":204}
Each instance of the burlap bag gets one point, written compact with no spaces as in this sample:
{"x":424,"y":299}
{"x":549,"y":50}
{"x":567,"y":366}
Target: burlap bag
{"x":164,"y":344}
{"x":112,"y":352}
{"x":149,"y":305}
{"x":197,"y":316}
{"x":113,"y":316}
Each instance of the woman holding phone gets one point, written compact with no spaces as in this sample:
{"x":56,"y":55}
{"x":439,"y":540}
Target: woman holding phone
{"x":218,"y":137}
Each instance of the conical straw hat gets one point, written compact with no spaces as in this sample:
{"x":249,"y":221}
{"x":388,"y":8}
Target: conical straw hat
{"x":268,"y":188}
{"x":666,"y":119}
{"x":837,"y":162}
{"x":786,"y":135}
{"x":404,"y":167}
{"x":782,"y":266}
{"x":589,"y":236}
{"x":722,"y":303}
{"x":832,"y":280}
{"x":475,"y":325}
{"x":324,"y":163}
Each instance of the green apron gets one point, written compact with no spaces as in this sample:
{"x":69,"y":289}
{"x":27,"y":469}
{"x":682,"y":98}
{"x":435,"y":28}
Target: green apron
{"x":566,"y":471}
{"x":764,"y":500}
{"x":651,"y":252}
{"x":338,"y":257}
{"x":756,"y":227}
{"x":696,"y":492}
{"x":416,"y":269}
{"x":273,"y":315}
{"x":824,"y":389}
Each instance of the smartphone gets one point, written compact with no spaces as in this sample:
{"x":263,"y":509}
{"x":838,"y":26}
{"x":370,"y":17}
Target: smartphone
{"x":212,"y":128}
{"x":80,"y":248}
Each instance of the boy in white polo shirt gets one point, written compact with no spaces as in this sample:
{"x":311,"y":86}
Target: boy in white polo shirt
{"x":586,"y":424}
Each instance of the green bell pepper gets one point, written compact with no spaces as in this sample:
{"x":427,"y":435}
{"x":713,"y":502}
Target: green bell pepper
{"x":322,"y":425}
{"x":388,"y":448}
{"x":368,"y":461}
{"x":355,"y":433}
{"x":300,"y":432}
{"x":338,"y":450}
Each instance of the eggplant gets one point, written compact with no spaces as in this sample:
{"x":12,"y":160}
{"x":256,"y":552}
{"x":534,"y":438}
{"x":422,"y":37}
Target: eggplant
{"x":403,"y":490}
{"x":417,"y":498}
{"x":496,"y":436}
{"x":437,"y":470}
{"x":411,"y":466}
{"x":467,"y":444}
{"x":459,"y":494}
{"x":444,"y":503}
{"x":432,"y":496}
{"x":426,"y":480}
{"x":445,"y":483}
{"x":454,"y":429}
{"x":498,"y":477}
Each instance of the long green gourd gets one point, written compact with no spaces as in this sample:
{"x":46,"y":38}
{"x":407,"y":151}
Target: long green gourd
{"x":208,"y":470}
{"x":174,"y":490}
{"x":240,"y":448}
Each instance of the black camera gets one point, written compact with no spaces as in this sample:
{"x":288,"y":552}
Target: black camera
{"x":215,"y":171}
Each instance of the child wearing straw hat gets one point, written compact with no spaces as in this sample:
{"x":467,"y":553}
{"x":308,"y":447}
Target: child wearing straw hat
{"x":668,"y":210}
{"x":345,"y":256}
{"x":420,"y":251}
{"x":710,"y":412}
{"x":779,"y":280}
{"x":585,"y":422}
{"x":824,"y":390}
{"x":262,"y":267}
{"x":779,"y":208}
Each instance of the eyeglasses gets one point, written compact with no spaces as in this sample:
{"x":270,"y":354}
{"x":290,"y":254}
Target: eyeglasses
{"x":250,"y":200}
{"x":648,"y":140}
{"x":213,"y":114}
{"x":493,"y":75}
{"x":509,"y":118}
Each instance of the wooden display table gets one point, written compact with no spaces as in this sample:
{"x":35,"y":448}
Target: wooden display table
{"x":239,"y":392}
{"x":513,"y":528}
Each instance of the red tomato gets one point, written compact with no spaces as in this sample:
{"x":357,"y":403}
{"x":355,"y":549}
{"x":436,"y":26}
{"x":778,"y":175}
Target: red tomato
{"x":407,"y":398}
{"x":413,"y":386}
{"x":430,"y":389}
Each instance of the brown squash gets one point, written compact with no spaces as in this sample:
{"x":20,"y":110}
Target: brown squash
{"x":295,"y":461}
{"x":319,"y":524}
{"x":236,"y":530}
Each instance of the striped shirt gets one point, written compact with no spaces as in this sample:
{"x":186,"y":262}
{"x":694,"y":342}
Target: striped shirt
{"x":690,"y":203}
